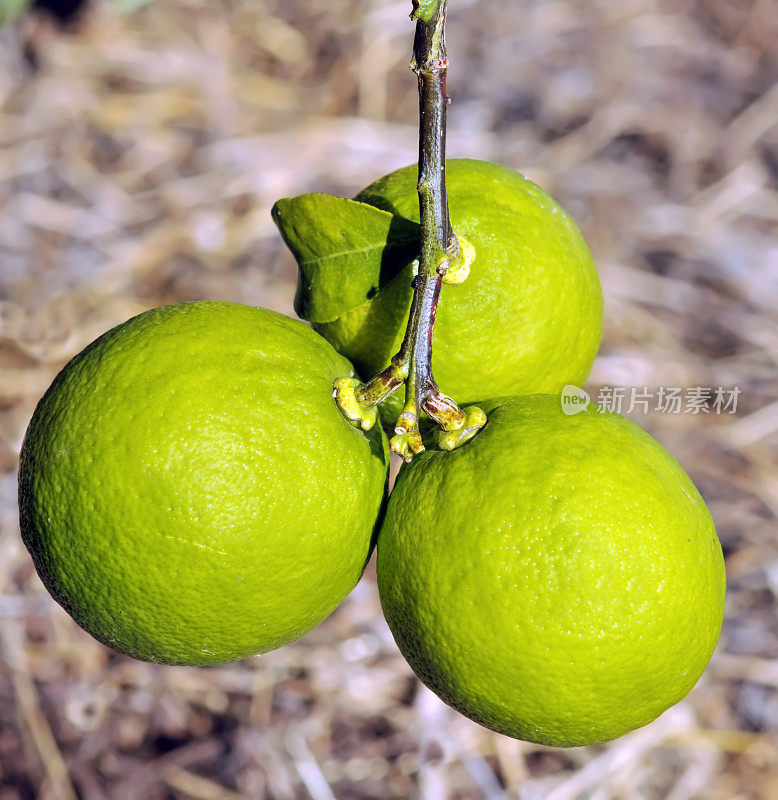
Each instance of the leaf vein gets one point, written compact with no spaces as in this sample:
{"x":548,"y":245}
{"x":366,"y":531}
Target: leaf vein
{"x":357,"y":250}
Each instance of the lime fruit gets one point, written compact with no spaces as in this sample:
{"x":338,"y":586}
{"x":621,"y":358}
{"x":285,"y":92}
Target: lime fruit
{"x":528,"y":318}
{"x":557,"y":579}
{"x":189,"y":491}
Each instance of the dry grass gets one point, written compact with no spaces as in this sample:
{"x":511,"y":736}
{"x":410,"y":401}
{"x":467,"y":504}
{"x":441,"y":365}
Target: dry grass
{"x":139,"y":157}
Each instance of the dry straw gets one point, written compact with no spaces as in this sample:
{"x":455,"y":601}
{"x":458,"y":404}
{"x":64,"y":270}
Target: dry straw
{"x":139,"y":157}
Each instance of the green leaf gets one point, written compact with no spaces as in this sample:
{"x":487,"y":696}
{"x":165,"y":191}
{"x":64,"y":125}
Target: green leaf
{"x":347,"y":251}
{"x":424,"y":9}
{"x":9,"y":9}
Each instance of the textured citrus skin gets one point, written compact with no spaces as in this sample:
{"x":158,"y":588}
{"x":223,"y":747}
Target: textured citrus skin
{"x":188,"y":489}
{"x":528,"y":318}
{"x":557,"y":579}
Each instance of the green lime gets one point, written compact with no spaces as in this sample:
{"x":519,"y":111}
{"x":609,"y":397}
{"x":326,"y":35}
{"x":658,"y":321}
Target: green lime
{"x":528,"y":318}
{"x":557,"y":579}
{"x":190,"y":492}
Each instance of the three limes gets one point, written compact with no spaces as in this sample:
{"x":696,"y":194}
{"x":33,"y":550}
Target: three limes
{"x":557,"y":579}
{"x":190,"y":492}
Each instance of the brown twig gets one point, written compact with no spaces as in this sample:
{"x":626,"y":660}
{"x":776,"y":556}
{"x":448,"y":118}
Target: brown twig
{"x":440,"y":248}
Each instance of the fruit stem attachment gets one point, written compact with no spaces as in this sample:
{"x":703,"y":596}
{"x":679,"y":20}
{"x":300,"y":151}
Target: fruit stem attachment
{"x":441,"y":252}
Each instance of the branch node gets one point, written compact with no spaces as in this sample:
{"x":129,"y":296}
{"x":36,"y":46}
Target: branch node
{"x":407,"y":439}
{"x":475,"y":419}
{"x":345,"y":391}
{"x":459,"y":266}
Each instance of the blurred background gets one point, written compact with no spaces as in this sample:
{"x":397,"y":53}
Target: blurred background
{"x":139,"y":157}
